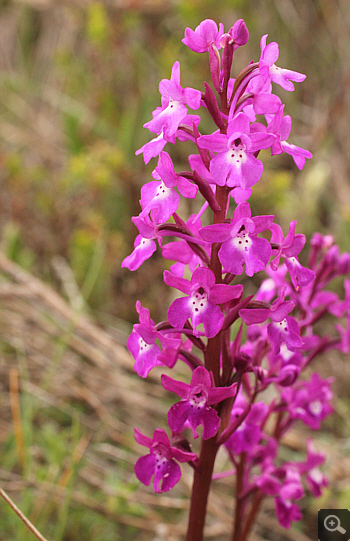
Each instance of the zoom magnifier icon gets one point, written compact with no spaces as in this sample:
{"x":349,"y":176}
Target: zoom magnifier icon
{"x":332,"y":524}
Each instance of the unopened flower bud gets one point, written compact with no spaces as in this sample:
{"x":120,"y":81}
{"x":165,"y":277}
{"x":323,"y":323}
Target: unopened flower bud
{"x":242,"y":362}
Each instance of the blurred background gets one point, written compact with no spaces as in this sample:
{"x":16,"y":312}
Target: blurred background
{"x":78,"y":80}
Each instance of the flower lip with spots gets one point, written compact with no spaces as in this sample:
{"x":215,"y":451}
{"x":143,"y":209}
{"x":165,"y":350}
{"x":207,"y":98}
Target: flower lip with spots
{"x":194,"y":409}
{"x":235,"y":163}
{"x":201,"y":305}
{"x":240,"y":244}
{"x":160,"y":462}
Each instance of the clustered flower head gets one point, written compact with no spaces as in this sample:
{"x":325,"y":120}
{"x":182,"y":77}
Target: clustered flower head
{"x":211,"y":253}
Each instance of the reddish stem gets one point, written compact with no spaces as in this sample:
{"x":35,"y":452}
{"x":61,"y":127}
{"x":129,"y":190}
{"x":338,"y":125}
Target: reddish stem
{"x":252,"y":514}
{"x":238,"y":520}
{"x":200,"y":490}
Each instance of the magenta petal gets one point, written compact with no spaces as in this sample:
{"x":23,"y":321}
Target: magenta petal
{"x":285,"y":127}
{"x":281,"y":311}
{"x":298,"y":154}
{"x":206,"y":33}
{"x":260,"y":141}
{"x":238,"y":125}
{"x":209,"y":30}
{"x":223,"y":172}
{"x":194,"y":41}
{"x":175,"y":281}
{"x":192,"y":97}
{"x":177,"y":251}
{"x":254,"y":316}
{"x":212,"y":319}
{"x":170,"y":90}
{"x":201,"y":377}
{"x":231,"y":258}
{"x":147,"y":228}
{"x":142,"y":439}
{"x":258,"y":256}
{"x":283,"y":77}
{"x":270,"y":53}
{"x":217,"y":142}
{"x":186,"y":188}
{"x":183,"y":456}
{"x":287,"y":513}
{"x":197,"y":164}
{"x":159,"y":199}
{"x":176,"y":73}
{"x":251,"y":171}
{"x":203,"y":276}
{"x":211,"y":422}
{"x":240,"y":195}
{"x":177,"y":387}
{"x":165,"y":170}
{"x":144,"y":248}
{"x":293,"y":339}
{"x":274,"y":337}
{"x":166,"y":477}
{"x":222,"y":293}
{"x":295,"y":247}
{"x":144,"y":468}
{"x":177,"y":416}
{"x":152,"y":148}
{"x":262,"y":223}
{"x":215,"y":232}
{"x":147,"y":360}
{"x":179,"y":311}
{"x":301,"y":276}
{"x":258,"y":413}
{"x":241,"y":211}
{"x":169,"y":118}
{"x":218,"y":394}
{"x":265,"y":103}
{"x":160,"y":436}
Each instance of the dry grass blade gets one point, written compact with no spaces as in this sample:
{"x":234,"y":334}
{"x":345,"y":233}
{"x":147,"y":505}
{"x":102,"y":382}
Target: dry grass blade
{"x":26,"y":521}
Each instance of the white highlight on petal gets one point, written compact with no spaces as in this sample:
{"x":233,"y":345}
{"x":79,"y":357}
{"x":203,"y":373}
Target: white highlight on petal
{"x":236,"y":155}
{"x":242,"y":241}
{"x":267,"y":286}
{"x":144,"y":244}
{"x":173,"y":105}
{"x":143,"y":346}
{"x":162,"y":191}
{"x":316,"y":475}
{"x":274,"y":70}
{"x":198,"y":302}
{"x":286,"y":353}
{"x":160,"y":458}
{"x":315,"y":407}
{"x":282,"y":326}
